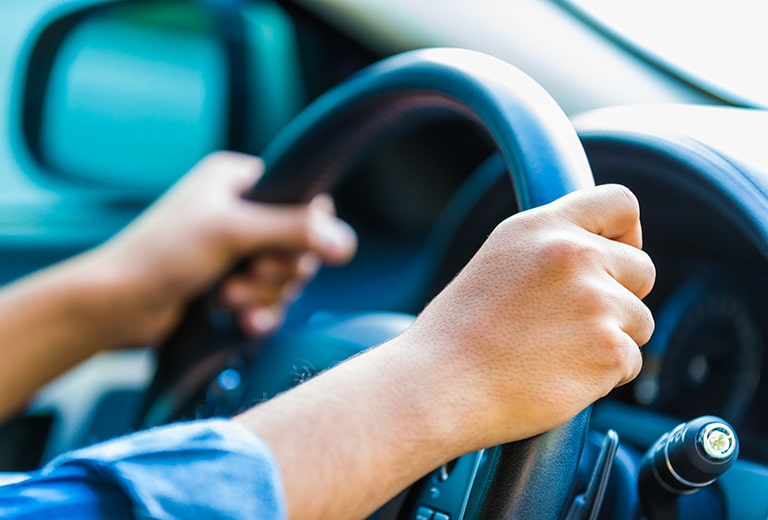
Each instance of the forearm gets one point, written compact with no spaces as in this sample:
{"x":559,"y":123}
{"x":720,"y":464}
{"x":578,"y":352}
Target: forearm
{"x":384,"y":410}
{"x":52,"y":320}
{"x":132,"y":290}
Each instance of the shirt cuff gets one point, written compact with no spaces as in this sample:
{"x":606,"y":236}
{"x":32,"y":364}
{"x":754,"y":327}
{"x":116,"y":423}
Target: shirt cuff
{"x":202,"y":469}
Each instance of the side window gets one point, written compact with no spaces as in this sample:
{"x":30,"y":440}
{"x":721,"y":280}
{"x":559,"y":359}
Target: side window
{"x":108,"y":102}
{"x":133,"y":94}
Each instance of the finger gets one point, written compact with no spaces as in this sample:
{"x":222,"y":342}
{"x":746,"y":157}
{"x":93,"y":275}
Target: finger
{"x":258,"y":226}
{"x":261,"y":226}
{"x":240,"y":291}
{"x":626,"y":310}
{"x":261,"y":321}
{"x":282,"y":266}
{"x":610,"y":210}
{"x":625,"y":359}
{"x":631,"y":267}
{"x":637,"y":321}
{"x":633,"y":362}
{"x":628,"y":325}
{"x":236,"y":171}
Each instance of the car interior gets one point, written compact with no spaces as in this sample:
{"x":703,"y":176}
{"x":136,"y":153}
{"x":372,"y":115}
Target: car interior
{"x":390,"y":105}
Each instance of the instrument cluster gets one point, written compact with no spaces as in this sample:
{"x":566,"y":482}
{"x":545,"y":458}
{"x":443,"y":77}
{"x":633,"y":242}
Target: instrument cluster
{"x":708,"y":355}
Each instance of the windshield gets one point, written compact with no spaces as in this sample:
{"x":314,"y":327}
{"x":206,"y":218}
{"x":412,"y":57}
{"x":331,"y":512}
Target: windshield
{"x":717,"y":46}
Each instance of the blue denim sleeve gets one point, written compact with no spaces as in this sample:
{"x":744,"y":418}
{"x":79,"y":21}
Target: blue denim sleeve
{"x":204,"y":469}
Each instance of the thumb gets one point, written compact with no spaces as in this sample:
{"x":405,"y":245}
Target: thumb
{"x":308,"y":227}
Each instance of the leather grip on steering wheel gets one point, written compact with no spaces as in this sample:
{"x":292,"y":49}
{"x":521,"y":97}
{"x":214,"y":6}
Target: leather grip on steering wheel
{"x":540,"y":149}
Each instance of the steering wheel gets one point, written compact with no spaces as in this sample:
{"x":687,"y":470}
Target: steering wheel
{"x":545,"y":159}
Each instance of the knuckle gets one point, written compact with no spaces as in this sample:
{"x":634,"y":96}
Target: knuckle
{"x":223,"y":164}
{"x":526,"y":222}
{"x":567,"y":252}
{"x":594,"y":300}
{"x":224,"y":229}
{"x":213,"y":162}
{"x":613,"y":345}
{"x":510,"y":227}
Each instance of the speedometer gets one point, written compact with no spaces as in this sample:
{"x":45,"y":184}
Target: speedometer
{"x":705,"y":356}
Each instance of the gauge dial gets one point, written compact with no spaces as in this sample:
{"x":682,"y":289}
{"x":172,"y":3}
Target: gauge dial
{"x":705,"y":356}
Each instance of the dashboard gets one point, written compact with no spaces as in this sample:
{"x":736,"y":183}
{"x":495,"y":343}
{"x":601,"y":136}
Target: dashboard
{"x":704,"y":216}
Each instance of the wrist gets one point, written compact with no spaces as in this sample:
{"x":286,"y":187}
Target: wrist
{"x":450,"y":400}
{"x":431,"y":395}
{"x":385,"y":408}
{"x":99,"y":293}
{"x":53,"y":320}
{"x":110,"y":297}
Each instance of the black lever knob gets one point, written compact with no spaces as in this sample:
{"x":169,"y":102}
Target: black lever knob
{"x":691,"y":456}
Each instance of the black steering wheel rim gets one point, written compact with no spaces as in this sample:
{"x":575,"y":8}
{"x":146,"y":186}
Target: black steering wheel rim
{"x":545,"y":159}
{"x":535,"y":138}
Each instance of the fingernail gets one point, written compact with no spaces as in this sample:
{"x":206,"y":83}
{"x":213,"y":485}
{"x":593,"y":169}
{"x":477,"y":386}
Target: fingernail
{"x":263,"y":321}
{"x":332,"y":232}
{"x":309,"y":264}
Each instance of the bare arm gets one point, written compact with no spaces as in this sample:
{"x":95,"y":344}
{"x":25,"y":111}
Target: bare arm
{"x":545,"y":319}
{"x":52,"y":321}
{"x":131,"y":291}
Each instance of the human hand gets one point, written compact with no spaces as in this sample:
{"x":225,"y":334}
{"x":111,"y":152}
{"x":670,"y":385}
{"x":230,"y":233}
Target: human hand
{"x":543,"y":321}
{"x":200,"y":229}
